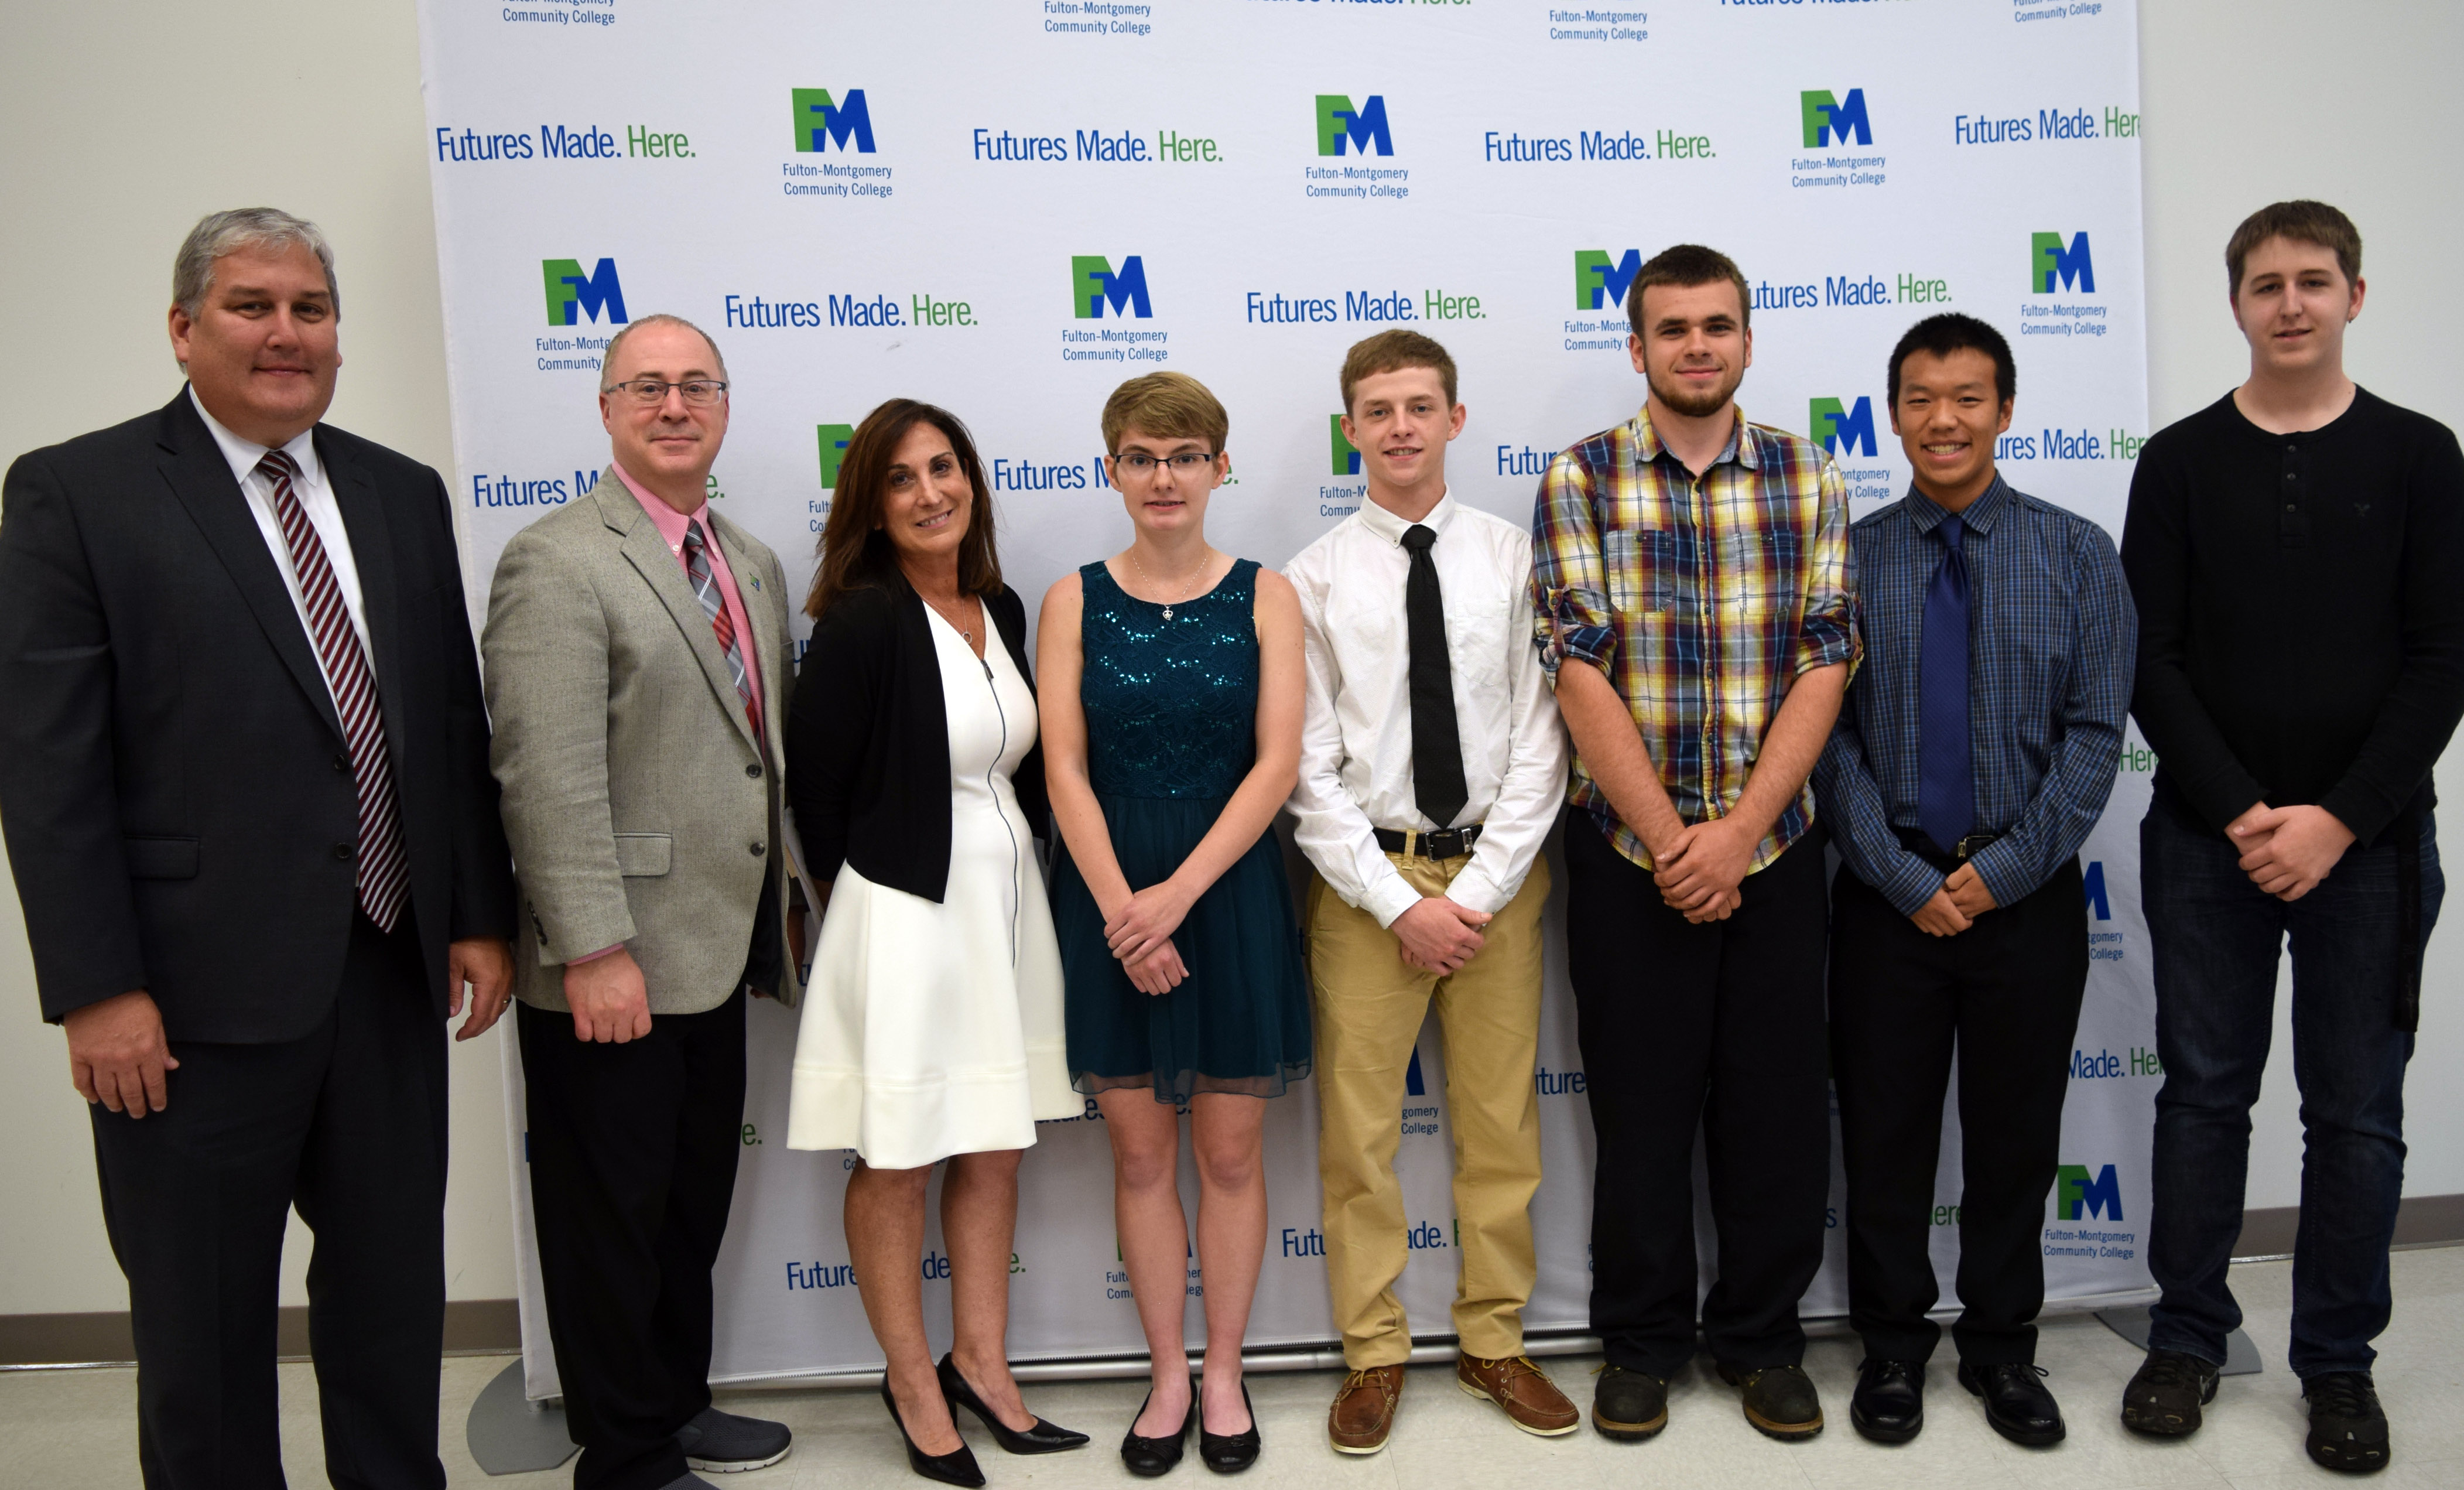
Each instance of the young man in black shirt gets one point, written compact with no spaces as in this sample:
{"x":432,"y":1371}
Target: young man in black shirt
{"x":2294,"y":549}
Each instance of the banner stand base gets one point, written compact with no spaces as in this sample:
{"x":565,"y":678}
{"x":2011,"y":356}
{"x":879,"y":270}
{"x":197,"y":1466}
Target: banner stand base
{"x":2241,"y":1353}
{"x":508,"y":1435}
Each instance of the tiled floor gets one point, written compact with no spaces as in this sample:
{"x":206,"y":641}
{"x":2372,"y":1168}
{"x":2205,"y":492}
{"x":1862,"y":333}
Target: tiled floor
{"x":75,"y":1429}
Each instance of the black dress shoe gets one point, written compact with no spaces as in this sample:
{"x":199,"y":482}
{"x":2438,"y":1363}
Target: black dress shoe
{"x":1890,"y":1404}
{"x":1148,"y":1457}
{"x":2016,"y":1402}
{"x":1229,"y":1453}
{"x":950,"y":1469}
{"x":1041,"y":1438}
{"x":2348,"y":1428}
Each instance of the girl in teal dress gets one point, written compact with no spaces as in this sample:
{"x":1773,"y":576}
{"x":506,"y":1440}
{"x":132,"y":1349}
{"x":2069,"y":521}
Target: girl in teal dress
{"x":1171,"y":699}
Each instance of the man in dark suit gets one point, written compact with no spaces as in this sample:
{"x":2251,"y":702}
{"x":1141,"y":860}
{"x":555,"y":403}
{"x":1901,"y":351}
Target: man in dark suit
{"x":244,"y":781}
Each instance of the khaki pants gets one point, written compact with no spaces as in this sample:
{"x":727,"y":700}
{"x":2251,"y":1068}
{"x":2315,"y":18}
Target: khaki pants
{"x":1369,"y":1010}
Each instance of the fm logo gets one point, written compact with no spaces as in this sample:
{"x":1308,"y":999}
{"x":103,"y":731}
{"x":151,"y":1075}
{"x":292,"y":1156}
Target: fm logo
{"x":2093,"y":881}
{"x":1340,"y":123}
{"x":833,"y":438}
{"x":2074,"y":1190}
{"x":1844,"y":431}
{"x":1094,"y":284}
{"x":1828,"y":121}
{"x":574,"y":297}
{"x":821,"y":123}
{"x":1600,"y":282}
{"x":1347,"y":462}
{"x":2050,"y":263}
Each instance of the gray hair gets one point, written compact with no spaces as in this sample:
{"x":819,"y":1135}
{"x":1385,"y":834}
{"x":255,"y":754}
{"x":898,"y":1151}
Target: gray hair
{"x":217,"y":234}
{"x":608,"y":358}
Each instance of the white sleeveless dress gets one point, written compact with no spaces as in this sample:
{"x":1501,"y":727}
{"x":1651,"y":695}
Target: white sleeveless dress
{"x":937,"y":1030}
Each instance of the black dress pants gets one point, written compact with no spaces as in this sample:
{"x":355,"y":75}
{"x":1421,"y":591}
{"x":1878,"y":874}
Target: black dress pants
{"x":347,"y":1123}
{"x":633,"y":1159}
{"x":1717,"y":1027}
{"x":2005,"y":993}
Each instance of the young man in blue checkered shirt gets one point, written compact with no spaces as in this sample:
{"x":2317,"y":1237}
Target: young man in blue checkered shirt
{"x":1973,"y":753}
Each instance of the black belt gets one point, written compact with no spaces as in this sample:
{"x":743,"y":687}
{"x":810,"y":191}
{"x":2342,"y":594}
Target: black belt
{"x":1444,"y":843}
{"x":1915,"y":841}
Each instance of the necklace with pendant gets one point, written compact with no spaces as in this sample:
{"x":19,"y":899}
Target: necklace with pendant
{"x":1185,"y":590}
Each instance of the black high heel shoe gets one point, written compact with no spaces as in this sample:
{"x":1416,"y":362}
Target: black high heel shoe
{"x":1041,"y":1438}
{"x":1148,"y":1457}
{"x":1229,"y":1453}
{"x":950,"y":1469}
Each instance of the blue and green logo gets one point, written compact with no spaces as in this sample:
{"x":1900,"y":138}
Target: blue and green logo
{"x":2076,"y":1191}
{"x":1600,"y":282}
{"x":1094,"y":284}
{"x":1339,"y":123}
{"x":574,"y":297}
{"x":1828,"y":120}
{"x":822,"y":123}
{"x":1346,"y":462}
{"x":2049,"y":263}
{"x":1842,"y":429}
{"x":833,"y":438}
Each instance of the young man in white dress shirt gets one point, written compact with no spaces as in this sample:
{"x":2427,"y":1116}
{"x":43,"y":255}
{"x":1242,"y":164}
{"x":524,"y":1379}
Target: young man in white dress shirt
{"x":1432,"y":764}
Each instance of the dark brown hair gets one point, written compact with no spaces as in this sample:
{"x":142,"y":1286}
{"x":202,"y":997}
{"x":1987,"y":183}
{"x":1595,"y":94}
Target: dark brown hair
{"x":1952,"y":332}
{"x":2303,"y":221}
{"x":1685,"y":265}
{"x":856,"y":554}
{"x":1392,"y":352}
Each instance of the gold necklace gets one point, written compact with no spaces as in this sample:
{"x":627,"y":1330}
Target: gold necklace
{"x":1202,"y":566}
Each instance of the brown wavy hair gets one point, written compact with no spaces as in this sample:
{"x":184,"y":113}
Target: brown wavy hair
{"x":855,"y":553}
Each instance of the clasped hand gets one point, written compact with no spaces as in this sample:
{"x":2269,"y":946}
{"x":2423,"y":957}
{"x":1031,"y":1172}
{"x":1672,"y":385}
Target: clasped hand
{"x":1437,"y":935}
{"x":2286,"y":851}
{"x":1956,"y":905}
{"x":1700,"y":867}
{"x":1140,"y":932}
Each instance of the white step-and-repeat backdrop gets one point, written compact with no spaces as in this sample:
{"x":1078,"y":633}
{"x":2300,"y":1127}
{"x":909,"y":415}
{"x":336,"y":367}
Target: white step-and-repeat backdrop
{"x":1008,"y":206}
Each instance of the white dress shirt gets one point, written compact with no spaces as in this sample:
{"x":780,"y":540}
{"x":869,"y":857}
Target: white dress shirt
{"x":317,"y":500}
{"x":1357,"y":737}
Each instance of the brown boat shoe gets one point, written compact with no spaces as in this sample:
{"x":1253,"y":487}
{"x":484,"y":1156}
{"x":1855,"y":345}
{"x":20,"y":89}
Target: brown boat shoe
{"x":1531,"y":1400}
{"x":1363,"y":1414}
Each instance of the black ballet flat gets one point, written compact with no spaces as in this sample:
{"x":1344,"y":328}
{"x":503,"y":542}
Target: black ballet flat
{"x":1148,"y":1457}
{"x":950,"y":1469}
{"x":1229,"y":1453}
{"x":1041,"y":1438}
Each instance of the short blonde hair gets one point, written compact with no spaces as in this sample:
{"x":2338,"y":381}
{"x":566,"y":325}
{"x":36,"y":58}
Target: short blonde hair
{"x":1392,"y":352}
{"x":1166,"y":404}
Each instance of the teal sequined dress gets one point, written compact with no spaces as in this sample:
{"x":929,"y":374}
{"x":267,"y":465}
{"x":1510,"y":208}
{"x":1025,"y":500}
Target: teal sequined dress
{"x":1172,"y":710}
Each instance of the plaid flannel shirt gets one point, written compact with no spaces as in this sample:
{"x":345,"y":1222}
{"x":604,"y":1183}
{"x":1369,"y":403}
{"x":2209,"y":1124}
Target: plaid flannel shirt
{"x":1701,"y":600}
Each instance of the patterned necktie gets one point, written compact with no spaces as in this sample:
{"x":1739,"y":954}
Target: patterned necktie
{"x":1437,"y":746}
{"x":714,"y":606}
{"x":383,"y":878}
{"x":1946,"y":773}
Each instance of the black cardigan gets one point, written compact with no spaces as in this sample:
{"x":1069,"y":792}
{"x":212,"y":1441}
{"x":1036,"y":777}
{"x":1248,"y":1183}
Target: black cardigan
{"x":869,"y":740}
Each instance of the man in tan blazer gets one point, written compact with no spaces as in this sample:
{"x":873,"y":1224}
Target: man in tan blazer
{"x":637,"y":674}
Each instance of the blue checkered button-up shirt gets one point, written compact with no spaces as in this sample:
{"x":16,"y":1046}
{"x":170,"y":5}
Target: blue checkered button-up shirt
{"x":2051,"y":642}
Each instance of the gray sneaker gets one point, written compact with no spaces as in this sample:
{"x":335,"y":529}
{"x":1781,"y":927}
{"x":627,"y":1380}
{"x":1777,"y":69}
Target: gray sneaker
{"x":726,"y":1444}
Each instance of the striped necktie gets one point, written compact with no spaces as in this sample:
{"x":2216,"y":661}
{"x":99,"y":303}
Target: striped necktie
{"x":714,"y":606}
{"x":383,"y":873}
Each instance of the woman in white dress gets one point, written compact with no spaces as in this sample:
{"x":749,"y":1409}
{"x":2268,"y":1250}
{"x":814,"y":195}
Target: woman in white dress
{"x":933,"y":1017}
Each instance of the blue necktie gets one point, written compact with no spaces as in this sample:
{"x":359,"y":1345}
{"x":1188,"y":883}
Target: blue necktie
{"x":1946,"y":777}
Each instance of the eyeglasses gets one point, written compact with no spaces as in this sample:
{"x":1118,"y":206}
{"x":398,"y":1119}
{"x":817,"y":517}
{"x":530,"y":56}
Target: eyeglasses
{"x":1140,"y":464}
{"x":645,"y":391}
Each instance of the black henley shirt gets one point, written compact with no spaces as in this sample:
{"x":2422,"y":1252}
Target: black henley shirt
{"x":2300,"y":610}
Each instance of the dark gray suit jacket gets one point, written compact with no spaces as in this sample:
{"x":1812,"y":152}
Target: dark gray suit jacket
{"x":174,"y":783}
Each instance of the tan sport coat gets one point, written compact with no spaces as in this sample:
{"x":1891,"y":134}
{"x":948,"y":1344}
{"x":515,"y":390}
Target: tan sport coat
{"x":639,"y":805}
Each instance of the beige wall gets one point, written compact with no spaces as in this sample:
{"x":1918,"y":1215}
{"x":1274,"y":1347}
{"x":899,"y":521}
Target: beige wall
{"x":127,"y":121}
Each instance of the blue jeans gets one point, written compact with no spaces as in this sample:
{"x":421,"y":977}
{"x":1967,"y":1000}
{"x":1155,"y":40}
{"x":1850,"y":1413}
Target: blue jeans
{"x":2216,"y":938}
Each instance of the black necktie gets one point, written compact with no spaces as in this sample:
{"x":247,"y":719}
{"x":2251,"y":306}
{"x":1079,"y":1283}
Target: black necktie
{"x":1437,"y":749}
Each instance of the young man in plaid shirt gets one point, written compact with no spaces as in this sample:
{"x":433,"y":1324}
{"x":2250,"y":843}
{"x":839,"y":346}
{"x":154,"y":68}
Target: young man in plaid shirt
{"x":1696,"y":569}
